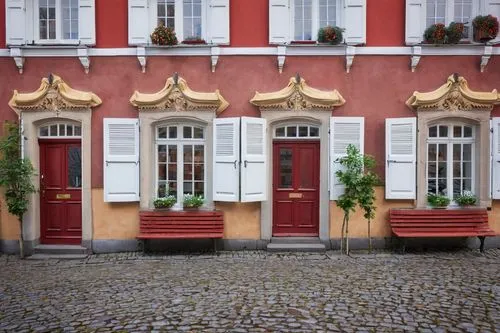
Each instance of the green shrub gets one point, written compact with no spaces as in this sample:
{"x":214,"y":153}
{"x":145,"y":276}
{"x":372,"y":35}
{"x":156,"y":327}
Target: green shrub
{"x":329,"y":34}
{"x":466,"y":199}
{"x":454,"y":33}
{"x":437,"y":200}
{"x":435,"y":34}
{"x":165,"y":202}
{"x":163,"y":36}
{"x":193,"y":201}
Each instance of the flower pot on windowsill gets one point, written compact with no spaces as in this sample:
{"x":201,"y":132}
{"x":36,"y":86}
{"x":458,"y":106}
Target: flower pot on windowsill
{"x":482,"y":36}
{"x":303,"y":42}
{"x":194,"y":42}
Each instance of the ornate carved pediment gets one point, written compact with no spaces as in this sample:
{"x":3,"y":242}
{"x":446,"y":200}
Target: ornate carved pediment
{"x":53,"y":95}
{"x":455,"y":95}
{"x":177,"y":96}
{"x":297,"y":95}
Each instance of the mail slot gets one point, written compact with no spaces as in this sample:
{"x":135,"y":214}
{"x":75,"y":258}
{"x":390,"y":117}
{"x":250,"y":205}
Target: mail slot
{"x":63,"y":196}
{"x":295,"y":195}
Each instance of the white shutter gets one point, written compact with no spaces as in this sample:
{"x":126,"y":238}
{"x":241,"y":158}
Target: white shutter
{"x":415,"y":21}
{"x":343,"y":132}
{"x":493,"y":8}
{"x":226,"y":182}
{"x":401,"y":153}
{"x":138,"y":22}
{"x":495,"y":164}
{"x":279,"y":21}
{"x":253,"y":159}
{"x":121,"y":159}
{"x":86,"y":22}
{"x":355,"y":22}
{"x":15,"y":15}
{"x":218,"y":17}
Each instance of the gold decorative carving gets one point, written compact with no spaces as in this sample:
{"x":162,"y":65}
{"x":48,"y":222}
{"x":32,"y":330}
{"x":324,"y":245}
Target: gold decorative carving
{"x":176,"y":95}
{"x":455,"y":95}
{"x":53,"y":95}
{"x":297,"y":95}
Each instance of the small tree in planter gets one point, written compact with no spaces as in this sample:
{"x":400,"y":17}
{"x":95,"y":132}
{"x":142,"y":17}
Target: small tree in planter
{"x":359,"y":182}
{"x":15,"y":176}
{"x":454,"y":33}
{"x":435,"y":34}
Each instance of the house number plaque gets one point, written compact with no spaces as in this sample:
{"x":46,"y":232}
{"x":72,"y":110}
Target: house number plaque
{"x":63,"y":196}
{"x":295,"y":195}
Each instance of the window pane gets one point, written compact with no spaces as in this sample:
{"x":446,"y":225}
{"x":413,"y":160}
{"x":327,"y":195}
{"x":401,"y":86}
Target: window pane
{"x":456,"y":169}
{"x":187,"y":132}
{"x":199,"y":151}
{"x":188,"y":188}
{"x":280,"y":132}
{"x":431,"y":186}
{"x":78,"y":131}
{"x":162,"y":153}
{"x":199,"y":188}
{"x":442,"y":169}
{"x":442,"y":186}
{"x":52,"y":29}
{"x":443,"y":131}
{"x":467,"y":132}
{"x":162,"y":190}
{"x":162,"y":132}
{"x":433,"y":131}
{"x":69,"y":130}
{"x":443,"y":152}
{"x":314,"y":131}
{"x":74,"y":167}
{"x":431,"y":170}
{"x":162,"y":171}
{"x":457,"y":189}
{"x":291,"y":131}
{"x":188,"y":171}
{"x":53,"y":130}
{"x":199,"y":172}
{"x":285,"y":168}
{"x":457,"y":131}
{"x":467,"y":169}
{"x":431,"y":155}
{"x":44,"y":131}
{"x":172,"y":171}
{"x":172,"y":154}
{"x":62,"y":130}
{"x":303,"y":131}
{"x":467,"y":185}
{"x":172,"y":188}
{"x":467,"y":152}
{"x":457,"y":152}
{"x":198,"y":133}
{"x":188,"y":153}
{"x":172,"y":132}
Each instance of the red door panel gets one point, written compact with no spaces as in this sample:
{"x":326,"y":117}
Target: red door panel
{"x":296,"y":188}
{"x":60,"y":191}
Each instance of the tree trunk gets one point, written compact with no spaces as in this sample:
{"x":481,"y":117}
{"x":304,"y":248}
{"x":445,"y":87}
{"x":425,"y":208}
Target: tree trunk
{"x":21,"y":239}
{"x":369,"y":238}
{"x":347,"y":236}
{"x":342,"y":236}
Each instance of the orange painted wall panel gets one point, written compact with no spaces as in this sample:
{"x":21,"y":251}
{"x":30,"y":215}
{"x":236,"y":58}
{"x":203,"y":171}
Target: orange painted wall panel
{"x":2,"y":24}
{"x":111,"y":23}
{"x":385,"y":22}
{"x":249,"y":21}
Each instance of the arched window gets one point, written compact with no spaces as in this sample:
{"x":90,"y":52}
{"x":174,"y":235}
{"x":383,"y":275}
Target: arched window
{"x":450,"y":159}
{"x":181,"y":160}
{"x":60,"y":130}
{"x":296,"y":131}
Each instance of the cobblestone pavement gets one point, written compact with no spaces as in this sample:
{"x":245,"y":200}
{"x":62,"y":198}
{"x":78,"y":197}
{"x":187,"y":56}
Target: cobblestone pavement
{"x":254,"y":292}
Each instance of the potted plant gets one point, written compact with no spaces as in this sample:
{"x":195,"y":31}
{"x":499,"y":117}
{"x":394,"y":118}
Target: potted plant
{"x":330,"y":35}
{"x":194,"y":40}
{"x":163,"y":36}
{"x":438,"y":200}
{"x":485,"y":28}
{"x":165,"y":202}
{"x":454,"y":33}
{"x":466,"y":199}
{"x":193,"y":201}
{"x":435,"y":34}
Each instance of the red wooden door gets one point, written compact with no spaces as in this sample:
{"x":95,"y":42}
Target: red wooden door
{"x":296,"y":188}
{"x":60,"y":191}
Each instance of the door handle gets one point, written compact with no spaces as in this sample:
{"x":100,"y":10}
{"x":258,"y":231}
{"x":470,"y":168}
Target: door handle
{"x":42,"y":185}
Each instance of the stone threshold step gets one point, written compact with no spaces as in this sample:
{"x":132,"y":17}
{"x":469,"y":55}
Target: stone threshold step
{"x":43,"y":256}
{"x":273,"y":247}
{"x":59,"y":249}
{"x":295,"y":240}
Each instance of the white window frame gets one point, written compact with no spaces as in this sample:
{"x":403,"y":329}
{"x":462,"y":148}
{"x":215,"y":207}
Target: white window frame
{"x":180,"y":142}
{"x":450,"y":15}
{"x":58,"y":39}
{"x":315,"y":19}
{"x":449,"y":141}
{"x":179,"y":18}
{"x":57,"y":136}
{"x":297,"y":137}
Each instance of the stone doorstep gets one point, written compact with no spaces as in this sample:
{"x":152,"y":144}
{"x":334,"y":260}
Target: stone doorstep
{"x":47,"y":256}
{"x":60,"y":249}
{"x":296,"y":247}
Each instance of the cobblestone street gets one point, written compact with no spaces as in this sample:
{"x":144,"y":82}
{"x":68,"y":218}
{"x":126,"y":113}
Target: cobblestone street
{"x":254,"y":292}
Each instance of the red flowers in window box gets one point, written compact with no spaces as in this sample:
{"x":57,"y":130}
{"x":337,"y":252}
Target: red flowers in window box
{"x":485,"y":28}
{"x":163,"y":36}
{"x":435,"y":34}
{"x":330,"y":35}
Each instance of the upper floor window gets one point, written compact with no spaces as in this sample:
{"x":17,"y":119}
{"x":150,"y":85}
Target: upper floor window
{"x":50,"y":22}
{"x":447,"y":11}
{"x":190,"y":19}
{"x":310,"y":15}
{"x":300,"y":20}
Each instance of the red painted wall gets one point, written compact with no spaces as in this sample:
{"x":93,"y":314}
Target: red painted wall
{"x":2,"y":24}
{"x":385,"y":22}
{"x":112,"y":23}
{"x":376,"y":88}
{"x":249,"y":20}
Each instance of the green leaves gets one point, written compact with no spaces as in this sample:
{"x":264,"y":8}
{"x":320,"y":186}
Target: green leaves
{"x":15,"y":172}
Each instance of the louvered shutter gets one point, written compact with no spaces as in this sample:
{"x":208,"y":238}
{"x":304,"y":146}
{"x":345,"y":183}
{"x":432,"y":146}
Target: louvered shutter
{"x":401,"y":153}
{"x":415,"y":21}
{"x":138,"y":22}
{"x":495,"y":163}
{"x":218,"y":18}
{"x":15,"y":23}
{"x":226,"y":171}
{"x":279,"y":21}
{"x":253,"y":159}
{"x":121,"y":159}
{"x":86,"y":22}
{"x":493,"y":8}
{"x":355,"y":21}
{"x":343,"y":132}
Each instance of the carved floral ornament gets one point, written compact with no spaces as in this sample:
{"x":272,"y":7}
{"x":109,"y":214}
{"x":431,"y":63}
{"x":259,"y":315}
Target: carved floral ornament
{"x":297,"y":95}
{"x":177,"y":96}
{"x":455,"y":95}
{"x":53,"y":95}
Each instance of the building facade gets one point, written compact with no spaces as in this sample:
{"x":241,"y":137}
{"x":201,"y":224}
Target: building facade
{"x":252,"y":115}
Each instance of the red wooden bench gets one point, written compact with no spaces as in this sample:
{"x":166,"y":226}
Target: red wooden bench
{"x":473,"y":222}
{"x":197,"y":224}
